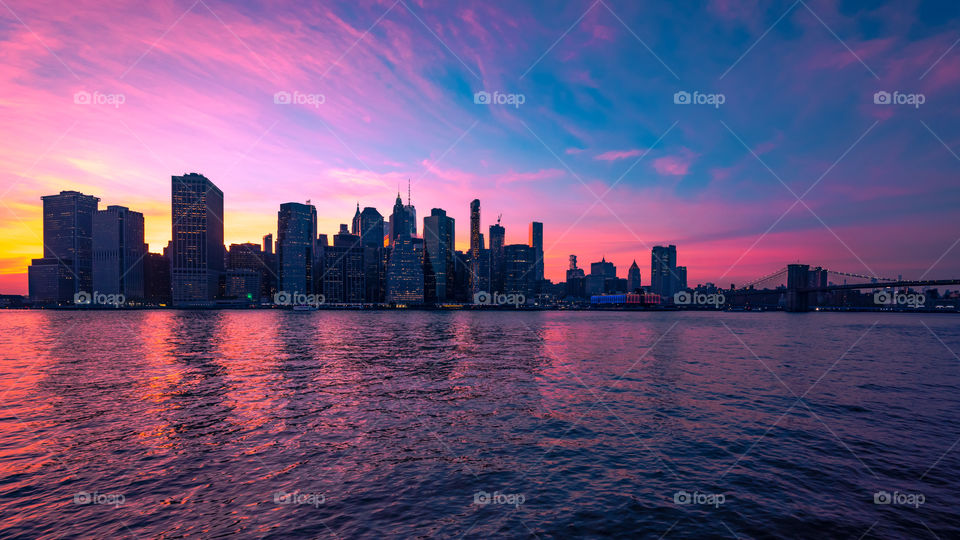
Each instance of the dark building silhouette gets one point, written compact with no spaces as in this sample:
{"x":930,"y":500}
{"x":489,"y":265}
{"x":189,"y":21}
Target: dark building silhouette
{"x":497,"y":241}
{"x":343,"y":269}
{"x":663,"y":271}
{"x":156,"y":279}
{"x":118,"y":252}
{"x":536,"y":242}
{"x":438,"y":237}
{"x":403,"y":220}
{"x":476,"y":245}
{"x":405,"y":271}
{"x":198,"y":252}
{"x":576,"y":286}
{"x":633,"y":277}
{"x":67,"y":243}
{"x":519,"y":266}
{"x":297,"y":248}
{"x":602,"y":278}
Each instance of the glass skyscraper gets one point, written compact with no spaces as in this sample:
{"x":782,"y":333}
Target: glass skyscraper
{"x":67,"y":264}
{"x":438,"y":236}
{"x":197,"y":261}
{"x":118,"y":252}
{"x":297,"y":247}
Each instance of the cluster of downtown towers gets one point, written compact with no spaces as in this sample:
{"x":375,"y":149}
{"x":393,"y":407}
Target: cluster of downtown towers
{"x":102,"y":252}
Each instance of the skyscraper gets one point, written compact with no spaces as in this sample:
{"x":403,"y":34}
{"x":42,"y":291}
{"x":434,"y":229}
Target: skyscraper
{"x":633,"y":277}
{"x":438,"y":236}
{"x":475,"y":246}
{"x":405,"y":271}
{"x":518,"y":263}
{"x":343,"y":269}
{"x":536,"y":242}
{"x":402,"y":220}
{"x":601,"y":275}
{"x":370,"y":227}
{"x":118,"y":252}
{"x":576,"y":280}
{"x":663,"y":271}
{"x":497,"y":241}
{"x":355,"y":225}
{"x":67,"y":264}
{"x":297,"y":247}
{"x":682,"y":278}
{"x":197,"y":263}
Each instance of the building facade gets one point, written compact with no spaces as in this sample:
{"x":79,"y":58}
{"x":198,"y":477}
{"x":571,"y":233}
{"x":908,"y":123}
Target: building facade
{"x":297,"y":248}
{"x":198,"y":252}
{"x":118,"y":252}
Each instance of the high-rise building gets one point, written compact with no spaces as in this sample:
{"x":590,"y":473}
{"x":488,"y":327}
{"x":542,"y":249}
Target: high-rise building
{"x":370,"y":227}
{"x":633,"y":277}
{"x":497,"y":241}
{"x":663,"y":271}
{"x":297,"y":248}
{"x":681,"y":278}
{"x":403,"y":220}
{"x":67,"y":264}
{"x":438,"y":236}
{"x":405,"y":271}
{"x":268,"y":244}
{"x":476,"y":244}
{"x":118,"y":252}
{"x":156,"y":278}
{"x":343,"y":269}
{"x":602,"y":277}
{"x":197,"y":262}
{"x":355,"y":224}
{"x":518,"y":263}
{"x":536,"y":242}
{"x":576,"y":280}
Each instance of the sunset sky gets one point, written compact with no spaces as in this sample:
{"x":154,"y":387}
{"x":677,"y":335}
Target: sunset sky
{"x":879,"y":183}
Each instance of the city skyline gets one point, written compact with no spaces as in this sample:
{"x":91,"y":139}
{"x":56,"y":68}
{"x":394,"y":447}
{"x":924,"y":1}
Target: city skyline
{"x":181,"y":88}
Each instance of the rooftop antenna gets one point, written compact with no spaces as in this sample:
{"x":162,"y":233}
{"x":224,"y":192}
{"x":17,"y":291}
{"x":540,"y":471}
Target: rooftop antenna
{"x":499,"y":217}
{"x":408,"y":192}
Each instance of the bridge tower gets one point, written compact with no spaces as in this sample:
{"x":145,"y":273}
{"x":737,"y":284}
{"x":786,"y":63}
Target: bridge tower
{"x":798,"y":277}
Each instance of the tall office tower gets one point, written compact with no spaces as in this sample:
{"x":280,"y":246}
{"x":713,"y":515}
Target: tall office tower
{"x":602,"y":277}
{"x":663,"y":271}
{"x":519,"y":263}
{"x":297,"y":248}
{"x":118,"y":252}
{"x":370,"y":227}
{"x":475,"y":245}
{"x":405,"y":271}
{"x":156,"y":278}
{"x":681,"y":278}
{"x":343,"y":272}
{"x":438,"y":236}
{"x":497,"y":241}
{"x":458,"y":280}
{"x":633,"y":277}
{"x":536,"y":242}
{"x":402,"y":220}
{"x":268,"y":244}
{"x":355,"y":224}
{"x":67,"y":264}
{"x":197,"y":262}
{"x":576,"y":280}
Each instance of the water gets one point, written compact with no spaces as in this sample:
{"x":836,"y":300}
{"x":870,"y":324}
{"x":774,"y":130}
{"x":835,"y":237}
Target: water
{"x":390,"y":424}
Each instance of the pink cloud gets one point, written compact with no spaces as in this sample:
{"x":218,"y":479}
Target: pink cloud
{"x":614,"y":155}
{"x":674,"y":165}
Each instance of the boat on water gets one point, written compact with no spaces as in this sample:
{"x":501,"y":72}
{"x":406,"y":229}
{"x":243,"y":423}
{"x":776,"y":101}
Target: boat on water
{"x":304,"y":307}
